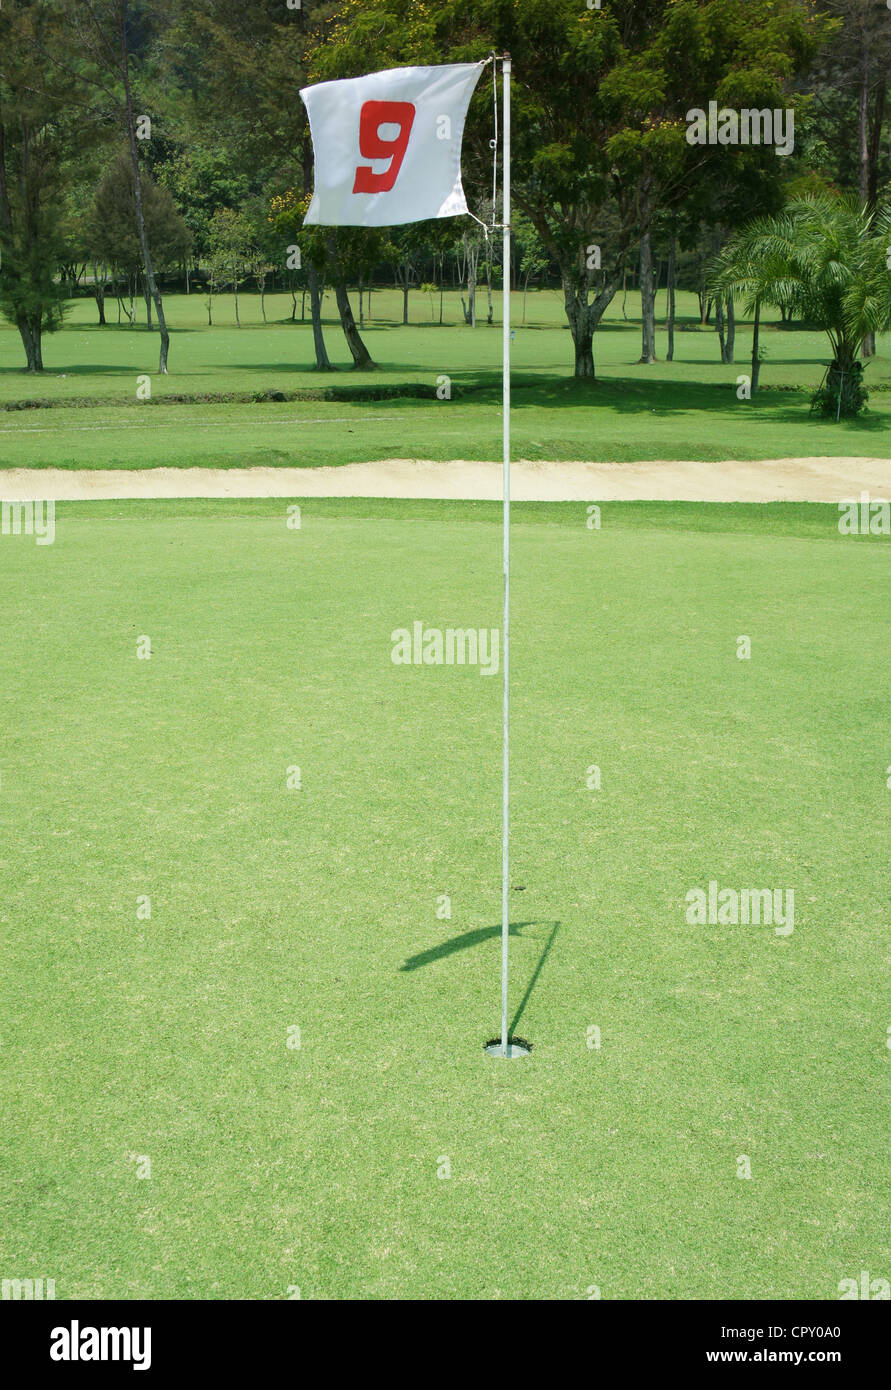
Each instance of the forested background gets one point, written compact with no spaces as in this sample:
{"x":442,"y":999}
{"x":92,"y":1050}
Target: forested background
{"x":157,"y":145}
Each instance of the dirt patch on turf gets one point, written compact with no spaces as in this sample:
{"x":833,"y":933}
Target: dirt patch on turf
{"x":769,"y":480}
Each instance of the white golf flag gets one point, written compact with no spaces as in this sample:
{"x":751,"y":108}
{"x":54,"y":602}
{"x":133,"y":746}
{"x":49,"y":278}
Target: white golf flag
{"x":388,"y":146}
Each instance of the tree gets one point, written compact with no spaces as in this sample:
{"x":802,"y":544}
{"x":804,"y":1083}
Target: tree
{"x":231,"y":249}
{"x":77,"y":224}
{"x":438,"y":239}
{"x":40,"y":139}
{"x":237,"y":69}
{"x":600,"y":98}
{"x":533,"y":258}
{"x":853,"y":74}
{"x":746,"y":265}
{"x":286,"y":214}
{"x":826,"y":260}
{"x":741,"y":54}
{"x":339,"y":253}
{"x":202,"y":179}
{"x":112,"y":231}
{"x":405,"y":248}
{"x":472,"y":241}
{"x":647,"y":283}
{"x":102,"y":38}
{"x":345,"y":248}
{"x":260,"y":269}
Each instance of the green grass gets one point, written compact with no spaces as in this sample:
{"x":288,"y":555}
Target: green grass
{"x":270,"y":908}
{"x":687,"y":409}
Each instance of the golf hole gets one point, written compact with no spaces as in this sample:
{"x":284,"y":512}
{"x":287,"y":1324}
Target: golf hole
{"x":516,"y":1047}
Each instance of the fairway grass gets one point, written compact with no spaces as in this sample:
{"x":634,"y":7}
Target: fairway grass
{"x":600,"y":422}
{"x":324,"y":1167}
{"x":85,"y":413}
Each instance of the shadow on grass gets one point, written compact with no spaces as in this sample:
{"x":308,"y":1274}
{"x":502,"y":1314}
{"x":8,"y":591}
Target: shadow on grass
{"x":534,"y":980}
{"x":79,"y":369}
{"x":659,"y":396}
{"x":635,"y":393}
{"x":475,"y":938}
{"x":626,"y":394}
{"x":72,"y":326}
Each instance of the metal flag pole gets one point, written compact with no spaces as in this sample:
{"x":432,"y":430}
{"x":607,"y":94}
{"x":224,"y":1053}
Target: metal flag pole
{"x":505,"y":1048}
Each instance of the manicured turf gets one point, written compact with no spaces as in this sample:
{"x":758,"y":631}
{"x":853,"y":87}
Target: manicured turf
{"x":317,"y":1167}
{"x":687,"y":409}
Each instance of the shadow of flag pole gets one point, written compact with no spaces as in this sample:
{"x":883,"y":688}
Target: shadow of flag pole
{"x":506,"y":1047}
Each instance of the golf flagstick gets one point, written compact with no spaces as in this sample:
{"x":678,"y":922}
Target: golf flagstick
{"x":506,"y":1048}
{"x":349,"y":114}
{"x":505,"y":373}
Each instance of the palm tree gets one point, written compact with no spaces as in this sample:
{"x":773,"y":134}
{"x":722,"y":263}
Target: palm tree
{"x":748,"y":266}
{"x":824,"y":259}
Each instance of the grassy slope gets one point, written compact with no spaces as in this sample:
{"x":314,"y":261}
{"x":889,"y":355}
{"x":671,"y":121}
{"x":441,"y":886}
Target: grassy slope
{"x":318,"y":1167}
{"x":684,"y":409}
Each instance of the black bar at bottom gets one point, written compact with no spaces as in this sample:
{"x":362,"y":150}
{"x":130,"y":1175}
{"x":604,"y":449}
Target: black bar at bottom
{"x":61,"y":1339}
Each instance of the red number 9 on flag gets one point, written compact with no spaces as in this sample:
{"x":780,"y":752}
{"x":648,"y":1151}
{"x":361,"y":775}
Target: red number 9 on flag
{"x":373,"y":115}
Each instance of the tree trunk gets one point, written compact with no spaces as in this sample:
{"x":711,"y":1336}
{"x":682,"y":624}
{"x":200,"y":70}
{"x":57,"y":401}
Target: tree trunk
{"x":756,"y":356}
{"x":647,"y":302}
{"x":490,"y":310}
{"x":862,"y":123}
{"x":362,"y":359}
{"x":31,"y":331}
{"x":725,"y":326}
{"x":647,"y":290}
{"x":405,"y":301}
{"x":730,"y":346}
{"x":672,"y":271}
{"x":581,"y":328}
{"x":315,"y":309}
{"x":875,"y":141}
{"x":137,"y":193}
{"x":473,"y":256}
{"x":868,"y":175}
{"x":843,"y":382}
{"x":583,"y":316}
{"x":131,"y":295}
{"x":312,"y":285}
{"x":99,"y":292}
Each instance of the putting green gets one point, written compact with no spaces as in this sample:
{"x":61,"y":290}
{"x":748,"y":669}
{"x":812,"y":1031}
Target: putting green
{"x":386,"y":1156}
